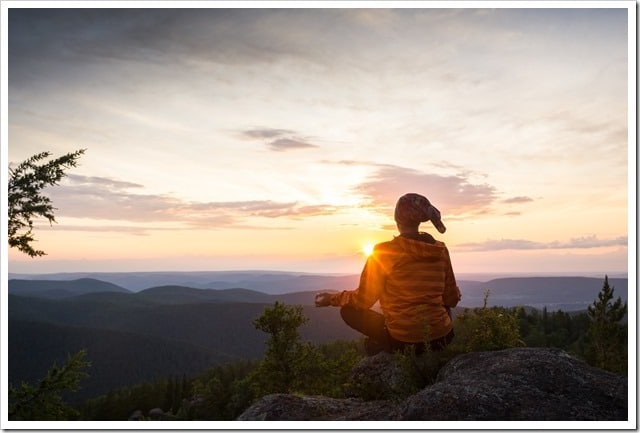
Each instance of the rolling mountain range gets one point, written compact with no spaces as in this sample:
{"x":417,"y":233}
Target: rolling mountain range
{"x":566,"y":293}
{"x":138,"y":336}
{"x":271,"y":282}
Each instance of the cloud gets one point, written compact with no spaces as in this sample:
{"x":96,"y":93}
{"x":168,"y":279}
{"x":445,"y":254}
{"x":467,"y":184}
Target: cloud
{"x":131,"y":230}
{"x":522,"y":244}
{"x":266,"y":133}
{"x":100,"y":198}
{"x":102,"y":181}
{"x":58,"y":37}
{"x":519,"y":199}
{"x":281,"y":139}
{"x":453,"y":195}
{"x":288,"y":143}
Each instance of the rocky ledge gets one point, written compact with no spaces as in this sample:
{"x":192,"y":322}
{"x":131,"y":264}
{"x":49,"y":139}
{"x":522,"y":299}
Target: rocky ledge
{"x":523,"y":384}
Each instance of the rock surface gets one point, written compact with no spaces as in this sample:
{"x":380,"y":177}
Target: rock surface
{"x":520,"y":384}
{"x":287,"y":407}
{"x":379,"y":375}
{"x":524,"y":384}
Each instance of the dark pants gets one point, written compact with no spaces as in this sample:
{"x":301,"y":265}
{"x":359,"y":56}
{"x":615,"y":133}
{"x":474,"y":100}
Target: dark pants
{"x":371,"y":324}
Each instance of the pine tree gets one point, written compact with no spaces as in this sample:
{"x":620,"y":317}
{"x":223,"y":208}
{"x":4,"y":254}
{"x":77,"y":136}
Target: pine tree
{"x":25,"y":200}
{"x":279,"y":368}
{"x":43,"y":401}
{"x":608,"y":337}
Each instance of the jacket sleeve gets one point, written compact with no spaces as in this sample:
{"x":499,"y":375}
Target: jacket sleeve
{"x":452,"y":294}
{"x":372,"y":281}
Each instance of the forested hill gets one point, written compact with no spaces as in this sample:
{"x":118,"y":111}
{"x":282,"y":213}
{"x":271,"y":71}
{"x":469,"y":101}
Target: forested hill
{"x":174,"y":330}
{"x":62,"y":288}
{"x":271,"y":282}
{"x":554,"y":293}
{"x":138,"y":338}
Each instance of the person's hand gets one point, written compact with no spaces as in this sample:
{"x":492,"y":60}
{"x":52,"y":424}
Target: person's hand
{"x":323,"y":299}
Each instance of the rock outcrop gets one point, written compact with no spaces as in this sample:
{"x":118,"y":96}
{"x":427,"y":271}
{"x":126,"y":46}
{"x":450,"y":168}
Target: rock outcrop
{"x":520,"y":384}
{"x":523,"y":384}
{"x":287,"y":407}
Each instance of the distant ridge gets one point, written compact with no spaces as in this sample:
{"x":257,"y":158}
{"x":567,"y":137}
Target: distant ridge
{"x":270,"y":282}
{"x":62,"y":289}
{"x":265,"y":281}
{"x":566,"y":293}
{"x":189,"y":295}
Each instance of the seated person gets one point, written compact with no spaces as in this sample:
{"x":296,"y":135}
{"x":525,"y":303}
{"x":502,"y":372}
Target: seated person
{"x":413,"y":279}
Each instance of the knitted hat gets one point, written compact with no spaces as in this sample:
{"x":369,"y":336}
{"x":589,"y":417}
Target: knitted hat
{"x":413,"y":209}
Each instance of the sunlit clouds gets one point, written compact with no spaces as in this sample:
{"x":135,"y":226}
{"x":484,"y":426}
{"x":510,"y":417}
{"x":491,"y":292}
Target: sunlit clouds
{"x":282,"y":138}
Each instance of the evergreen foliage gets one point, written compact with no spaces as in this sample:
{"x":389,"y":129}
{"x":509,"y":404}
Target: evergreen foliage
{"x":280,"y":367}
{"x":608,"y":348}
{"x":289,"y":365}
{"x":296,"y":367}
{"x":43,"y":402}
{"x":119,"y":404}
{"x":25,"y":200}
{"x":221,"y":393}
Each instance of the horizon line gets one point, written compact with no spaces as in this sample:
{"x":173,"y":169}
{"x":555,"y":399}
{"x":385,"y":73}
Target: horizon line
{"x":276,"y":271}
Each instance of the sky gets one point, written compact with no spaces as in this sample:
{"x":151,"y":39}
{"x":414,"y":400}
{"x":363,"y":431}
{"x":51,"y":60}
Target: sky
{"x":281,"y":138}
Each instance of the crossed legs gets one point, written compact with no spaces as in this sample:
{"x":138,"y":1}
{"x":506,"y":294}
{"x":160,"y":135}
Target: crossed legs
{"x":371,"y":324}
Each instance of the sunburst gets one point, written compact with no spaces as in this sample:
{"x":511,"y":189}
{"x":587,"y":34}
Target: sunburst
{"x":367,"y":249}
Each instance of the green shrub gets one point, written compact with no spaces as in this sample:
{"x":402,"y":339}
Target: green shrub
{"x":476,"y":330}
{"x":486,"y":328}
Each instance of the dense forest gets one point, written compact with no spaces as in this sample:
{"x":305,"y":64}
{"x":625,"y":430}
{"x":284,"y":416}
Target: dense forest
{"x":292,"y":364}
{"x":223,"y":392}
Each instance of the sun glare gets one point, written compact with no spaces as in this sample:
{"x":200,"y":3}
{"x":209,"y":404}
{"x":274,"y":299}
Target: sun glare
{"x":367,"y":249}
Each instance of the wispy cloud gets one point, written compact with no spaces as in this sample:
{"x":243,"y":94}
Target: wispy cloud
{"x":515,"y":200}
{"x":100,"y":198}
{"x":265,"y":133}
{"x":289,"y":143}
{"x":278,"y":139}
{"x":522,"y":244}
{"x":104,"y":182}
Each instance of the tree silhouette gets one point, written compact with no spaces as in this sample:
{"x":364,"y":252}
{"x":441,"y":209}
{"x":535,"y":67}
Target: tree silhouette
{"x":279,"y":368}
{"x":43,"y":401}
{"x":25,"y":200}
{"x":608,"y":345}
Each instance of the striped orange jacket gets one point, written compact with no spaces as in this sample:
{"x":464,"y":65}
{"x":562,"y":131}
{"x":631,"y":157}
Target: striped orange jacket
{"x":415,"y":284}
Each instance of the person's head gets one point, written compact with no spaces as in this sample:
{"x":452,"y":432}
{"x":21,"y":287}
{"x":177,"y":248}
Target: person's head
{"x":412,"y":209}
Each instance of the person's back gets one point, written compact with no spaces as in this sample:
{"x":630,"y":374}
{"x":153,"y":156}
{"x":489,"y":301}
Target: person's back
{"x":419,"y":283}
{"x":413,"y":279}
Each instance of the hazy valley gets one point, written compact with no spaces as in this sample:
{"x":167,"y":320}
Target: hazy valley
{"x":145,"y":326}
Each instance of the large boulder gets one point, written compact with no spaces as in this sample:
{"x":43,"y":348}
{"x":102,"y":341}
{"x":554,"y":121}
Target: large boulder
{"x":520,"y":384}
{"x":514,"y":384}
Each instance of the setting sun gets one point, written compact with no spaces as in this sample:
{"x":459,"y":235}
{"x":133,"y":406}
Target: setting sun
{"x":367,"y":249}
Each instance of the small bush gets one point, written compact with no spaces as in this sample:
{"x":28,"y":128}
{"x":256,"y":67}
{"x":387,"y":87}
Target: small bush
{"x":482,"y":329}
{"x":476,"y":330}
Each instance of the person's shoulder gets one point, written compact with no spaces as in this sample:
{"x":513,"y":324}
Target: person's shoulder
{"x":381,"y":246}
{"x":386,"y":247}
